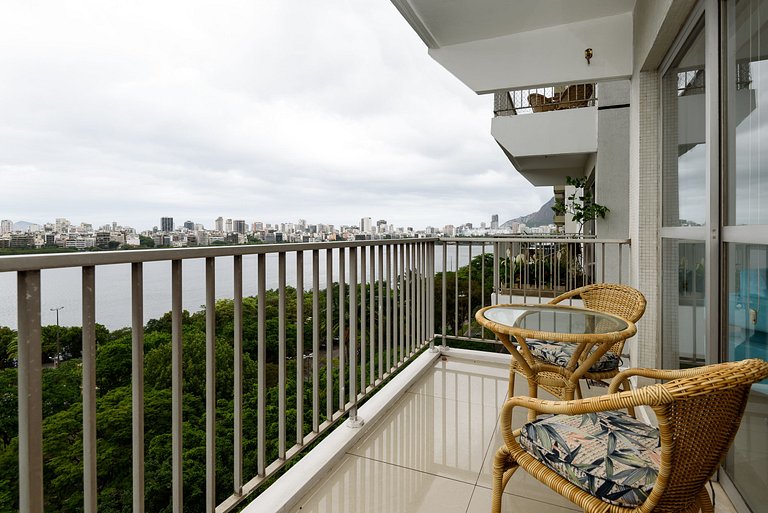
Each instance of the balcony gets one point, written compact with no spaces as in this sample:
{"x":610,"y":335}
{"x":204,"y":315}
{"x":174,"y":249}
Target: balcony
{"x":388,"y":393}
{"x":556,"y":140}
{"x":432,"y":451}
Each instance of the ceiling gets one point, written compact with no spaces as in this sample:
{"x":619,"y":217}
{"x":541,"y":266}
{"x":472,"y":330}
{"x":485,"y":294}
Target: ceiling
{"x":449,"y":22}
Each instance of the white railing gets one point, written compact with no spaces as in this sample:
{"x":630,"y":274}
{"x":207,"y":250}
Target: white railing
{"x":518,"y":270}
{"x":379,"y":308}
{"x":382,"y":317}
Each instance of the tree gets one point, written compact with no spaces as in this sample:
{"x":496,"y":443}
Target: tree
{"x":580,"y":205}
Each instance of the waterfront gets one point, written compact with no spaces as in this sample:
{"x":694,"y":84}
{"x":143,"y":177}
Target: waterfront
{"x":62,"y":287}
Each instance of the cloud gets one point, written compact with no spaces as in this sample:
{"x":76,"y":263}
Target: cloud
{"x":328,"y":111}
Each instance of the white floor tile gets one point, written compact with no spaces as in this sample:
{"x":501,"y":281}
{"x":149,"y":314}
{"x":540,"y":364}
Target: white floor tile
{"x":444,"y":437}
{"x":361,"y":485}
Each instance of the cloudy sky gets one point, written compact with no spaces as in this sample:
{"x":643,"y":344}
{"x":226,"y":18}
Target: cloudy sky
{"x":256,"y":109}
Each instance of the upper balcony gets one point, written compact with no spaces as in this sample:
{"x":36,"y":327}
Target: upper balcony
{"x":556,"y":140}
{"x":493,"y":45}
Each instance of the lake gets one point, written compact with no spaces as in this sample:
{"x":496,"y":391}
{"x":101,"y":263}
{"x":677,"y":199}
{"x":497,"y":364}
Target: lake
{"x":62,"y":287}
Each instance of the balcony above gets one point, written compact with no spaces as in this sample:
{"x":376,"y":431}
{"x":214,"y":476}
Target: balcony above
{"x":491,"y":44}
{"x":556,"y":140}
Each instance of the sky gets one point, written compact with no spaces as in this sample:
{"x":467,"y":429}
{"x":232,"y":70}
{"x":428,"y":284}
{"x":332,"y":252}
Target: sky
{"x":263,"y":110}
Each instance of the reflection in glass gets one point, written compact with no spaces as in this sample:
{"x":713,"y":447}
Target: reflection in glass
{"x":683,"y":304}
{"x":747,"y":61}
{"x":684,"y":143}
{"x":747,"y":324}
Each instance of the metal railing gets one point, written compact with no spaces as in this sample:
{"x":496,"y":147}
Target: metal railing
{"x":382,"y":303}
{"x":543,"y":99}
{"x":383,"y":316}
{"x":518,"y":270}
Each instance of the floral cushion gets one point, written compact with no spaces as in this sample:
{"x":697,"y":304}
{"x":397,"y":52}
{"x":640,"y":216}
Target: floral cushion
{"x":560,"y":353}
{"x":610,"y":455}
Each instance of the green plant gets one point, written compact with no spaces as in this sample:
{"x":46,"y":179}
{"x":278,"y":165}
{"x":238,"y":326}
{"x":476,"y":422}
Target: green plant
{"x":580,"y":205}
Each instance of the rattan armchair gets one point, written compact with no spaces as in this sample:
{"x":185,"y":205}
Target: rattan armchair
{"x":698,"y":416}
{"x":620,"y":300}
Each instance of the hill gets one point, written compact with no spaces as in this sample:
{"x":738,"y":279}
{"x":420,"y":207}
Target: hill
{"x":543,"y":217}
{"x":22,"y":226}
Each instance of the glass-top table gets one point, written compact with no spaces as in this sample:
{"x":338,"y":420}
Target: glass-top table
{"x":594,"y":332}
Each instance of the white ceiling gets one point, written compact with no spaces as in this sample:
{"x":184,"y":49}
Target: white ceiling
{"x":459,"y":21}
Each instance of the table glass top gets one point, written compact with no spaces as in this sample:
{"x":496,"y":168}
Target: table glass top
{"x":554,"y":319}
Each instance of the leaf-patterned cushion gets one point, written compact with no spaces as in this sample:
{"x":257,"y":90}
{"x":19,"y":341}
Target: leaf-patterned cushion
{"x":610,"y":455}
{"x":560,"y":353}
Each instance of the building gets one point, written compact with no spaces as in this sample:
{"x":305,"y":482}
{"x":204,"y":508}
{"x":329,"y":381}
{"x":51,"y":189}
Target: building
{"x":219,"y":224}
{"x":102,"y":239}
{"x":228,"y":226}
{"x":166,"y":224}
{"x":495,"y":222}
{"x":22,"y":240}
{"x":189,"y":225}
{"x":239,"y":226}
{"x":365,"y":225}
{"x":6,"y":226}
{"x":62,"y":225}
{"x":656,"y":105}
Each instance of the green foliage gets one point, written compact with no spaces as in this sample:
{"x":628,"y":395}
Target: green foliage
{"x":580,"y":205}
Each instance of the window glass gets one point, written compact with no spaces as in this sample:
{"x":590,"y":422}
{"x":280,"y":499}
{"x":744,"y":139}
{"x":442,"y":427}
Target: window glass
{"x":684,"y":148}
{"x":747,"y":329}
{"x":684,"y":308}
{"x":747,"y":62}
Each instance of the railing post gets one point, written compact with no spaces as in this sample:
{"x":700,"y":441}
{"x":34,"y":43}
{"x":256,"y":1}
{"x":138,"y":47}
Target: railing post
{"x":137,"y":383}
{"x":210,"y":384}
{"x":445,"y":296}
{"x":30,"y":392}
{"x":177,"y":484}
{"x":354,"y":421}
{"x":89,"y":389}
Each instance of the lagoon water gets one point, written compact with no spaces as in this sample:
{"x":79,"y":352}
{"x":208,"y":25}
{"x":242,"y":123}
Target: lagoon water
{"x":62,"y":287}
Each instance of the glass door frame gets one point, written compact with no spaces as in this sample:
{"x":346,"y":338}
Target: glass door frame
{"x":710,"y":233}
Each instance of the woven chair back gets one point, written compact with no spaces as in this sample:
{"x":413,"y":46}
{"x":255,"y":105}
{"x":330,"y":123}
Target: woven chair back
{"x":621,"y":300}
{"x":700,"y":426}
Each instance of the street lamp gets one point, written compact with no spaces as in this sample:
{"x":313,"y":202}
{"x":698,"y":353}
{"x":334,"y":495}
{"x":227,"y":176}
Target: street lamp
{"x":58,"y":345}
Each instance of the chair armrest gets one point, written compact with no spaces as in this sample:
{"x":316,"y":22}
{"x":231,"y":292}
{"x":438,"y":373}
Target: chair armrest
{"x":665,"y":374}
{"x":653,"y":395}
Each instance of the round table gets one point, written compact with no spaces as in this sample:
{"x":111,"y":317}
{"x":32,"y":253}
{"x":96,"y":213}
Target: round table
{"x":594,"y":332}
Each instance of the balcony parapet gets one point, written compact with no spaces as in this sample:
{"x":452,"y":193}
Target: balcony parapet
{"x":543,"y":99}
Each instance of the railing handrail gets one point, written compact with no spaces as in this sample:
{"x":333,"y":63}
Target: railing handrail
{"x":37,"y":262}
{"x":533,"y":239}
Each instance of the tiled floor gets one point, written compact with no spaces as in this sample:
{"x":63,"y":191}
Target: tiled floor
{"x":433,"y":452}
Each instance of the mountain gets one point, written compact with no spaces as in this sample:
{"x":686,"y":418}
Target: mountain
{"x":543,"y":217}
{"x":22,"y":226}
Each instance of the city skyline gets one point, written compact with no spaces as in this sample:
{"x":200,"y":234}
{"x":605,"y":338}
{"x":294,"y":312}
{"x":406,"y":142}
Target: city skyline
{"x":295,"y":111}
{"x":229,"y":224}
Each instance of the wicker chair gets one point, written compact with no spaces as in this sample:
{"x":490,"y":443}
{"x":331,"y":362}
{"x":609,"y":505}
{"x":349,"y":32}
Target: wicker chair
{"x":698,"y":416}
{"x":620,"y":300}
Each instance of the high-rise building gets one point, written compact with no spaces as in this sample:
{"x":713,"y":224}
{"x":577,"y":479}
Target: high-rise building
{"x":189,"y":225}
{"x":62,"y":225}
{"x":166,"y":224}
{"x":6,"y":226}
{"x":219,"y":224}
{"x":238,"y":226}
{"x":495,"y":222}
{"x":228,"y":226}
{"x":365,"y":224}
